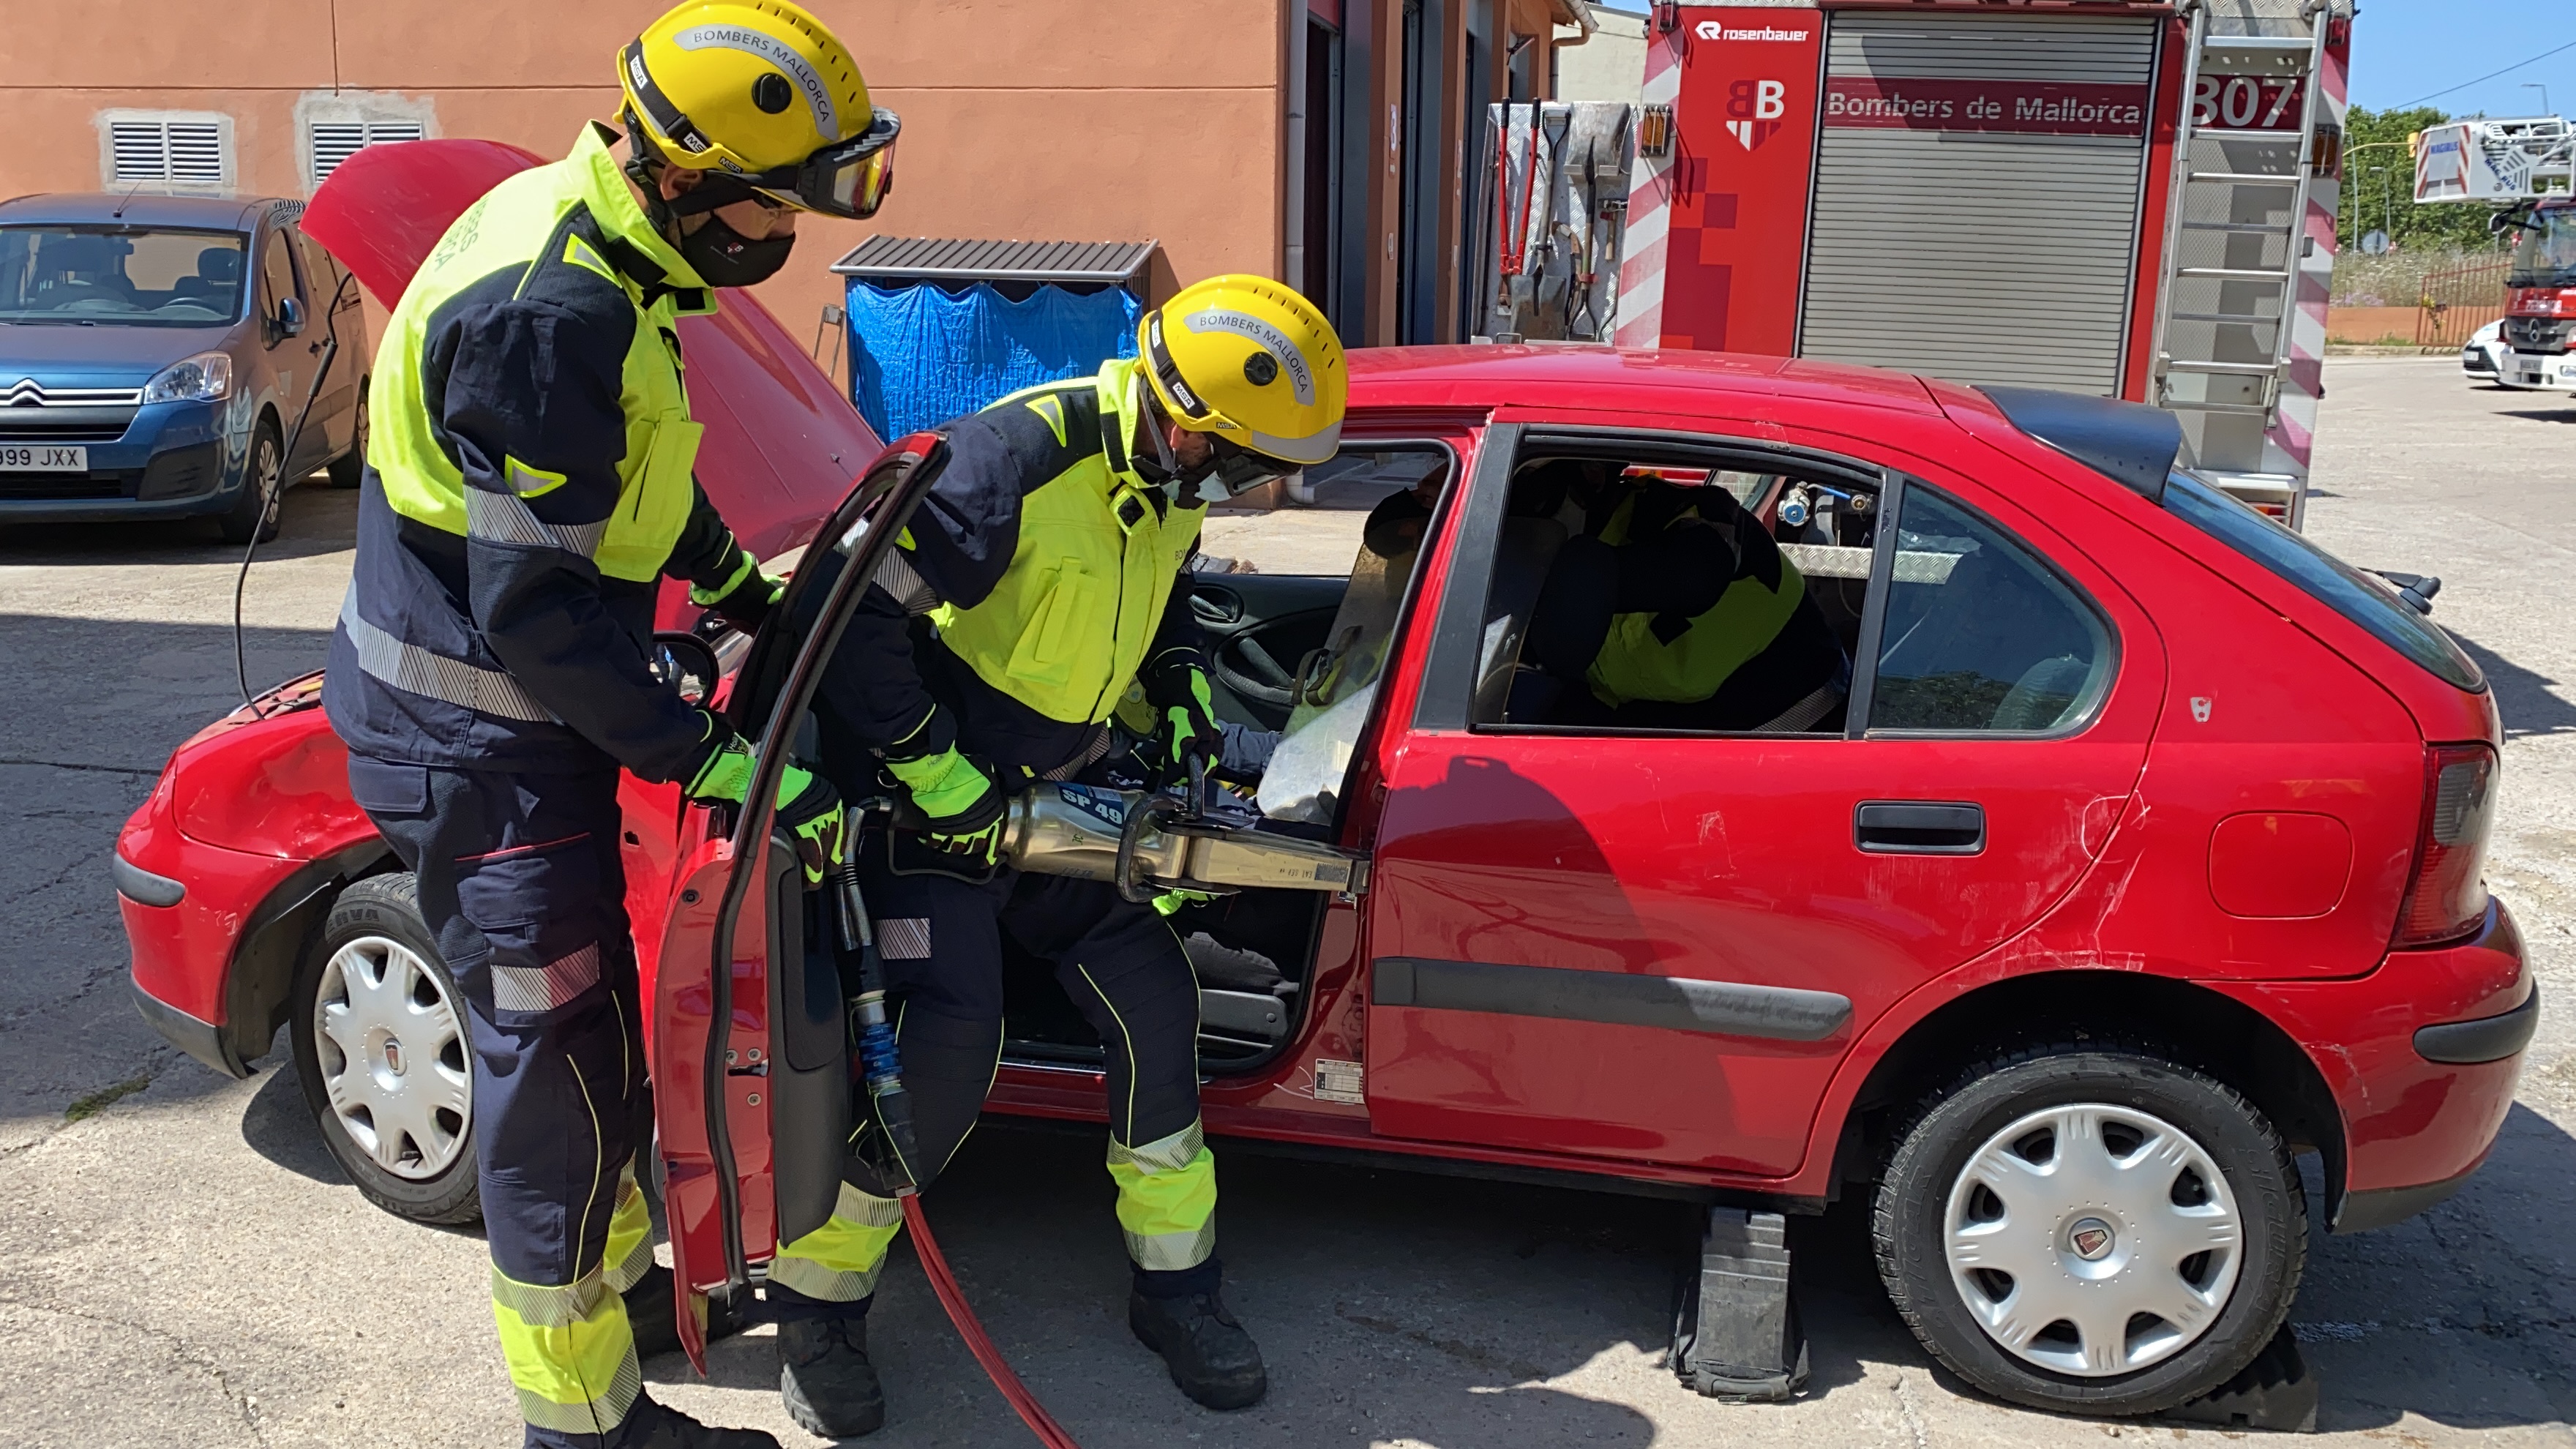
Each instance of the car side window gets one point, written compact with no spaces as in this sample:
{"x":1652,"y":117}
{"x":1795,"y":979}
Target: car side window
{"x":276,"y":273}
{"x":324,"y":274}
{"x":1980,"y":636}
{"x":1644,"y":585}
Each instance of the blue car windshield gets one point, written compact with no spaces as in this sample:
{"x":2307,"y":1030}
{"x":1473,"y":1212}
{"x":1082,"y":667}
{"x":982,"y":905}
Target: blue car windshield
{"x":120,"y":276}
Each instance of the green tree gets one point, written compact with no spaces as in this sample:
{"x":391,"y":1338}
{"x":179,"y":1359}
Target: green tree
{"x":2379,"y":187}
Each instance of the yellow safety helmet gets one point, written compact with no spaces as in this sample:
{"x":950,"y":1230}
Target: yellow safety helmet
{"x":1256,"y":366}
{"x":762,"y":91}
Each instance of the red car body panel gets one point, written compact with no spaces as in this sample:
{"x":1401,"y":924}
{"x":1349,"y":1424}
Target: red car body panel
{"x":2150,"y":844}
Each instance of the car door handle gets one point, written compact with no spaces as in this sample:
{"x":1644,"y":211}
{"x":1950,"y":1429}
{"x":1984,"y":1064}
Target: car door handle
{"x":1919,"y":827}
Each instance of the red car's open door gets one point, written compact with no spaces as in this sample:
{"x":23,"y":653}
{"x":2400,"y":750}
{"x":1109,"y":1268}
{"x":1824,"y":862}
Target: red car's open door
{"x":751,"y":1073}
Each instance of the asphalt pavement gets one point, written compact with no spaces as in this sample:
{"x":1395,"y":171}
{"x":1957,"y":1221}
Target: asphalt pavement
{"x":182,"y":1265}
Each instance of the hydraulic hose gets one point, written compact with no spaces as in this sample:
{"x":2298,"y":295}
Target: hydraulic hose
{"x":934,"y":1266}
{"x":277,"y":495}
{"x":881,"y":1068}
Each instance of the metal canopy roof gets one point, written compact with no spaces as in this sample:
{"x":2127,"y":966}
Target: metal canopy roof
{"x":937,"y":259}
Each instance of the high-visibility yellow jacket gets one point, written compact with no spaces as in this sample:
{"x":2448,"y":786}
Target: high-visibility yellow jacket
{"x":1045,"y":572}
{"x":528,"y":480}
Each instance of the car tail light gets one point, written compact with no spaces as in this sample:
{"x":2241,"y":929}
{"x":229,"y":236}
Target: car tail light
{"x":2447,"y":896}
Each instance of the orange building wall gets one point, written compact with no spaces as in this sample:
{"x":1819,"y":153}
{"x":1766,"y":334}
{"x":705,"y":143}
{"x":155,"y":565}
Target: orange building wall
{"x":1022,"y":118}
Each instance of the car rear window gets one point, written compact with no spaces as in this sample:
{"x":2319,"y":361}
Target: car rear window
{"x":2323,"y":577}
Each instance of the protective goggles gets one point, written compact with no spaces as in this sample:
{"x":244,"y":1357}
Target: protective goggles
{"x":1239,"y":469}
{"x":847,"y":178}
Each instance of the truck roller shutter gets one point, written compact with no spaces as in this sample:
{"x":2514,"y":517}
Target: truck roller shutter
{"x":1978,"y":181}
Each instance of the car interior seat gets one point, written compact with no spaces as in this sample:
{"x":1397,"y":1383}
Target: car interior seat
{"x":86,"y":269}
{"x":1507,"y":688}
{"x":218,"y":273}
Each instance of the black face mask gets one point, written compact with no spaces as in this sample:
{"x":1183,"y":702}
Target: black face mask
{"x":724,"y":257}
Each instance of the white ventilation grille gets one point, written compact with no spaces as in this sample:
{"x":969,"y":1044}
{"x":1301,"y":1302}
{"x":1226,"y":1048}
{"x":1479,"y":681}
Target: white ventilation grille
{"x":337,"y":141}
{"x":169,"y":150}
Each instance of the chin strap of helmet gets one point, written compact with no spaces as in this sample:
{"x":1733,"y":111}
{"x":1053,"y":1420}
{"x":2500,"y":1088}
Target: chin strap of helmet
{"x":644,"y":163}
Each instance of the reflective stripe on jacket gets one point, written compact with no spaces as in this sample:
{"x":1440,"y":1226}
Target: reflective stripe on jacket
{"x":528,"y":480}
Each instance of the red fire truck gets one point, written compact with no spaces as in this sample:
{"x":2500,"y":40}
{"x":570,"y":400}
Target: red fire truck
{"x":2527,"y":168}
{"x":2129,"y":199}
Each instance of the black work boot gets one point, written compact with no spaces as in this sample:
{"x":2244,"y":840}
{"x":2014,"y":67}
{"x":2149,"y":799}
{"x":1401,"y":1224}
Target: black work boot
{"x":825,"y":1378}
{"x":658,"y":1426}
{"x":1211,"y":1357}
{"x":654,"y":1315}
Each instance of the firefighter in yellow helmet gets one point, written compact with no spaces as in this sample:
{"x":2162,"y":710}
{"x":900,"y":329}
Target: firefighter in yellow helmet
{"x":527,"y":486}
{"x":1040,"y":582}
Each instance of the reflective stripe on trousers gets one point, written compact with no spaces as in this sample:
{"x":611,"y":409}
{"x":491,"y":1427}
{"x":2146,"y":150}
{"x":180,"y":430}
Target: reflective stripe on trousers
{"x":1167,"y":1199}
{"x":839,"y":1262}
{"x":630,"y":1234}
{"x":571,"y":1353}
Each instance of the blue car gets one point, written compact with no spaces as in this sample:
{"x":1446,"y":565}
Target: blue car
{"x":154,"y":353}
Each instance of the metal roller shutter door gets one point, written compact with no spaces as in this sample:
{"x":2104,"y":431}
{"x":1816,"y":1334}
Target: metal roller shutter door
{"x":1978,"y":256}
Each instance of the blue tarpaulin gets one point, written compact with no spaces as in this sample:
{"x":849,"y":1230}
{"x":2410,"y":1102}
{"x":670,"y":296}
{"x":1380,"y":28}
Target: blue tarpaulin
{"x":920,"y":355}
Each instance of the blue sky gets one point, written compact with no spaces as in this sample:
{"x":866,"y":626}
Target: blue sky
{"x":2403,"y":50}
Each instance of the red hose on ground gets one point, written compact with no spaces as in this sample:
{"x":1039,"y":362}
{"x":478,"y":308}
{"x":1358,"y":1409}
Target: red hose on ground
{"x":951,"y":1297}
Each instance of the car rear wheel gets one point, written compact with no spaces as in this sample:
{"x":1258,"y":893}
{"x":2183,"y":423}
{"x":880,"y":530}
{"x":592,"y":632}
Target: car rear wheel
{"x":2088,"y":1229}
{"x":348,"y":468}
{"x":261,"y":479}
{"x":380,"y":1048}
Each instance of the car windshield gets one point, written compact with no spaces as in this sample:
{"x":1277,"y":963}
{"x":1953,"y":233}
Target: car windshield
{"x":120,"y":276}
{"x":2545,"y":253}
{"x":2329,"y":580}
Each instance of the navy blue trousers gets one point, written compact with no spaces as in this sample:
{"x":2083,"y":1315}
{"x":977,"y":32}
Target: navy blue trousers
{"x":520,"y":881}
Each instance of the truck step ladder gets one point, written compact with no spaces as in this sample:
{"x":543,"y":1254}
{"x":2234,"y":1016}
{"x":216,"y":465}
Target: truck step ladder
{"x":2242,"y":249}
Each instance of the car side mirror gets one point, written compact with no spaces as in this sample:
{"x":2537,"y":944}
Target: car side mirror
{"x":290,"y":316}
{"x":686,"y":663}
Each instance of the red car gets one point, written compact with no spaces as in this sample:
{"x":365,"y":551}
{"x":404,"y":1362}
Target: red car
{"x":2142,"y":853}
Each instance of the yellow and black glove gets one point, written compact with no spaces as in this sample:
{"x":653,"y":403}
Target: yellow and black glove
{"x":808,"y":807}
{"x":745,"y":597}
{"x":963,"y":808}
{"x":1184,"y":710}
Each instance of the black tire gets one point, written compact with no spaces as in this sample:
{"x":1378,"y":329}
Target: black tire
{"x":351,"y":466}
{"x":1911,"y":1223}
{"x":262,"y":478}
{"x":381,"y":909}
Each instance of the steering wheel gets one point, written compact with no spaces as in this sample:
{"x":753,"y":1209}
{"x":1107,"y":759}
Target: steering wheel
{"x":1251,"y":670}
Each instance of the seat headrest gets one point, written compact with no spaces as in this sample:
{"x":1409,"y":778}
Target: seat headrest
{"x":83,"y":252}
{"x":220,"y":264}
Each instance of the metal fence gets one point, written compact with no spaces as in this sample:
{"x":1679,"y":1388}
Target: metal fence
{"x":2458,"y":302}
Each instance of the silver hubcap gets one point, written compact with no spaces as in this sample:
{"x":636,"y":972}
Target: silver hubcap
{"x":393,"y":1057}
{"x":2092,"y":1240}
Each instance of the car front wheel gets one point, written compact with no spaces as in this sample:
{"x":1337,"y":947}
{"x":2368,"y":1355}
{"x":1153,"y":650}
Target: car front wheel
{"x":350,"y":467}
{"x":263,"y":475}
{"x":380,"y":1048}
{"x":2091,"y":1230}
